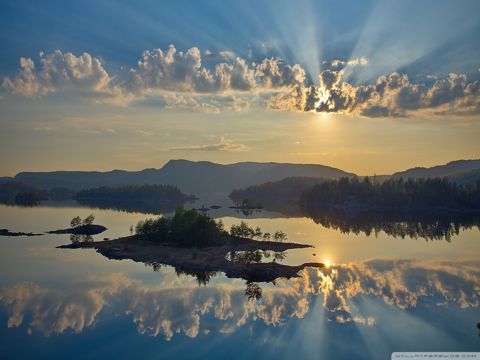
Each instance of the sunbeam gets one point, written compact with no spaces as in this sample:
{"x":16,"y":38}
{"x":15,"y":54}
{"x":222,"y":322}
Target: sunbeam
{"x":424,"y":29}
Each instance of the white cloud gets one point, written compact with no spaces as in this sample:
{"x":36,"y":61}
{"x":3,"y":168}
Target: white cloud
{"x":224,"y":144}
{"x":82,"y":74}
{"x":233,"y":84}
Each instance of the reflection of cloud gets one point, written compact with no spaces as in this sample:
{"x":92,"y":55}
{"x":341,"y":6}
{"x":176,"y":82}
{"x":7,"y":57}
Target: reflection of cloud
{"x":223,"y":145}
{"x":182,"y":80}
{"x":172,"y":308}
{"x":57,"y":311}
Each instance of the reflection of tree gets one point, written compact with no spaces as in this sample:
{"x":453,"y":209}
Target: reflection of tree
{"x":427,"y":225}
{"x":143,"y":206}
{"x":246,"y":257}
{"x":247,"y":212}
{"x":256,"y":256}
{"x":75,"y":238}
{"x":155,"y":266}
{"x":253,"y":291}
{"x":203,"y":277}
{"x":279,"y":256}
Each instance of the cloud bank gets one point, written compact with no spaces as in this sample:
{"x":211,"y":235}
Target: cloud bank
{"x":222,"y":81}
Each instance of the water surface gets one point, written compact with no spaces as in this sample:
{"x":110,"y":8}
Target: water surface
{"x":380,"y":293}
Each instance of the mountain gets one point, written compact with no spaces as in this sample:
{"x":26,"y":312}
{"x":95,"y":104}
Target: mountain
{"x":453,"y":169}
{"x":203,"y":177}
{"x":189,"y":176}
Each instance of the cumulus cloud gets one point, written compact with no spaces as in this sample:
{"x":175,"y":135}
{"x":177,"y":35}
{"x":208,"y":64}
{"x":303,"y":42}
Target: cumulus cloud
{"x":183,"y":80}
{"x":65,"y":72}
{"x":223,"y":145}
{"x":394,"y":95}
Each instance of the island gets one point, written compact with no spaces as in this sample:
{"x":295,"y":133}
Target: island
{"x":193,"y":242}
{"x":395,"y":193}
{"x":81,"y":227}
{"x":6,"y":232}
{"x":148,"y":198}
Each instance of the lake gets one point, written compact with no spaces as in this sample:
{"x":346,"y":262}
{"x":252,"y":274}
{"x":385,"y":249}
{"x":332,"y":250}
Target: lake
{"x":403,"y":285}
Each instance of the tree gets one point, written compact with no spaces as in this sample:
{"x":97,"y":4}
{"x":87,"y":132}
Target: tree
{"x":242,"y":230}
{"x":89,"y":220}
{"x":267,"y":236}
{"x":279,"y":236}
{"x":76,"y":221}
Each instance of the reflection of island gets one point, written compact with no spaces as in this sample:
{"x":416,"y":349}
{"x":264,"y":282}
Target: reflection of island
{"x":427,"y":225}
{"x":168,"y":308}
{"x":6,"y":232}
{"x":207,"y":259}
{"x":155,"y":199}
{"x":131,"y":206}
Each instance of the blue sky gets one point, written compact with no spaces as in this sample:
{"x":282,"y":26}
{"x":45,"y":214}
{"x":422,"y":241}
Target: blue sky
{"x":234,"y":61}
{"x":119,"y":31}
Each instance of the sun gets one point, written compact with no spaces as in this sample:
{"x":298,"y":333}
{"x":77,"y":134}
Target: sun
{"x":327,"y":263}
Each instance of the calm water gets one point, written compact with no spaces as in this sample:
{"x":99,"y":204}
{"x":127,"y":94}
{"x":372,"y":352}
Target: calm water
{"x":380,"y":293}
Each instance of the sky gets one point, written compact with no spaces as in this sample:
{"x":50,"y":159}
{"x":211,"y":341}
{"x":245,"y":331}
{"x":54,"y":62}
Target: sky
{"x":366,"y":86}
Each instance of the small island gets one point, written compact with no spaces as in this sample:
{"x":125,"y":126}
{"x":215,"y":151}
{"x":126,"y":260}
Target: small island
{"x":191,"y":241}
{"x":6,"y":232}
{"x":81,"y":227}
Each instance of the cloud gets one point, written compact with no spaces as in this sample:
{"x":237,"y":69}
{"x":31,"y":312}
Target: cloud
{"x":223,"y":145}
{"x":224,"y":54}
{"x":63,"y":72}
{"x":230,"y":83}
{"x":395,"y":95}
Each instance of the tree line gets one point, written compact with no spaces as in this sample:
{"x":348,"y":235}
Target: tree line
{"x":394,"y":192}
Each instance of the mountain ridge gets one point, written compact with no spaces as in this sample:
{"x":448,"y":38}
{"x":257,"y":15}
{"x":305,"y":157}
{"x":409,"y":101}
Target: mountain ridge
{"x":190,"y":176}
{"x":197,"y":177}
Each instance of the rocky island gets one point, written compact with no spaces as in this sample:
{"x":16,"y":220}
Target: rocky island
{"x":190,"y":242}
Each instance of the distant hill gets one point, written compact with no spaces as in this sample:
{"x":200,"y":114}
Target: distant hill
{"x":454,"y":170}
{"x":191,"y":177}
{"x":274,"y":193}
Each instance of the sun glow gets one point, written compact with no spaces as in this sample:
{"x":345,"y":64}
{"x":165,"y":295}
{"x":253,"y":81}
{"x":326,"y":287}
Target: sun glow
{"x":327,"y":263}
